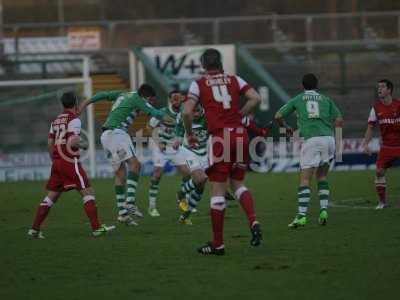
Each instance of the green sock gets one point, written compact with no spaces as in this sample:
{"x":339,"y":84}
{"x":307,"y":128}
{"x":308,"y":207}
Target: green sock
{"x":323,"y":193}
{"x":153,"y":193}
{"x":132,"y":182}
{"x":195,"y":197}
{"x":303,"y":195}
{"x":187,"y":186}
{"x":120,"y":196}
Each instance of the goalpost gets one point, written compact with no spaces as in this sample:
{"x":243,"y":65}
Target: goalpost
{"x":83,"y":80}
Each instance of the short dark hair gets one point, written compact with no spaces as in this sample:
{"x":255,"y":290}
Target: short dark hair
{"x":211,"y":59}
{"x":69,"y":100}
{"x":174,"y":91}
{"x":310,"y":81}
{"x":388,"y":83}
{"x":146,"y":90}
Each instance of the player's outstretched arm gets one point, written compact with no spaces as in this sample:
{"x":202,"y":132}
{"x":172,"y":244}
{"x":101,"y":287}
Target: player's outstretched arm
{"x":82,"y":106}
{"x":253,"y":100}
{"x":110,"y":96}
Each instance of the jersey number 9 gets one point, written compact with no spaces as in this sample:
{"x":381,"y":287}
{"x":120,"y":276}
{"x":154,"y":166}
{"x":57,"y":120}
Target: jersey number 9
{"x":312,"y":109}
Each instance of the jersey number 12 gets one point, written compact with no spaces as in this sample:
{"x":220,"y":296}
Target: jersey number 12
{"x":60,"y":132}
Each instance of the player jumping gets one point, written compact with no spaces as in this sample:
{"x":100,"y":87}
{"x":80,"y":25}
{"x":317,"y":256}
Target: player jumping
{"x":118,"y":144}
{"x":316,"y":114}
{"x":386,"y":114}
{"x":219,"y":95}
{"x":66,"y":170}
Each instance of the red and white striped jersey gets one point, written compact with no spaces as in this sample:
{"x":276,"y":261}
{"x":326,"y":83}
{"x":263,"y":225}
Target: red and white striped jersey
{"x":388,"y":119}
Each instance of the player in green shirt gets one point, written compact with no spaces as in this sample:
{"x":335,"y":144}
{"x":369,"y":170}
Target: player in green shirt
{"x":197,"y":161}
{"x":317,"y":115}
{"x":164,"y":136}
{"x":118,"y":144}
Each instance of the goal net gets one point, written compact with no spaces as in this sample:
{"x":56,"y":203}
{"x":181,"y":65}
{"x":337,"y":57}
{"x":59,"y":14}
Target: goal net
{"x":27,"y":108}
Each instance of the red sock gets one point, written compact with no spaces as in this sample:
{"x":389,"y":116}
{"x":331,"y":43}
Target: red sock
{"x":91,"y":211}
{"x":217,"y":221}
{"x":247,"y":203}
{"x":381,"y":191}
{"x":41,"y":214}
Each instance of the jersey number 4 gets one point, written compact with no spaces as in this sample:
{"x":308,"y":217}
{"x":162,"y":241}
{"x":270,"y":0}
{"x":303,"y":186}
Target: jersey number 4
{"x":221,"y":94}
{"x":312,"y":109}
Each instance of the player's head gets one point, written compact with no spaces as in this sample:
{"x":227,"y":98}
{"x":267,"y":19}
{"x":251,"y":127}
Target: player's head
{"x":211,"y":60}
{"x":385,"y":88}
{"x":69,"y":100}
{"x":175,"y":99}
{"x":147,"y":92}
{"x":310,"y":82}
{"x":198,"y":111}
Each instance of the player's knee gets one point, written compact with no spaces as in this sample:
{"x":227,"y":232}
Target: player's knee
{"x":47,"y":202}
{"x":120,"y":176}
{"x":200,"y":180}
{"x":157,"y":174}
{"x":239,"y":191}
{"x":134,"y":165}
{"x":218,"y":203}
{"x":88,"y":198}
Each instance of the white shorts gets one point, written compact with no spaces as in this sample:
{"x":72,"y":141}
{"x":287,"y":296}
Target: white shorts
{"x":118,"y":146}
{"x":160,"y":158}
{"x":194,"y":161}
{"x":317,"y":151}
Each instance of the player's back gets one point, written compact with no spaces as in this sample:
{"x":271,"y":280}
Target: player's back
{"x":65,"y":125}
{"x":315,"y":113}
{"x":219,"y":94}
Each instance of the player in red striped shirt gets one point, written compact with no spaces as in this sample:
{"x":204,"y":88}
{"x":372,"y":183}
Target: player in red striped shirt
{"x":219,"y":95}
{"x":386,"y":114}
{"x":67,"y":173}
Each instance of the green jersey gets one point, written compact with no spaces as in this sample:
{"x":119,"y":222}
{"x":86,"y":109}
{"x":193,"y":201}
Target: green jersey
{"x":126,"y":106}
{"x":199,"y":128}
{"x":167,"y":132}
{"x":315,"y":113}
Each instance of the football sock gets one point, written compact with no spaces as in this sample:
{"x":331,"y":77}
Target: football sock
{"x":195,"y":197}
{"x":323,"y":193}
{"x":303,"y":199}
{"x":42,"y":213}
{"x":187,"y":186}
{"x":153,"y":192}
{"x":132,"y":182}
{"x":247,"y":203}
{"x":380,"y":186}
{"x":217,"y":213}
{"x":120,"y":195}
{"x":89,"y":204}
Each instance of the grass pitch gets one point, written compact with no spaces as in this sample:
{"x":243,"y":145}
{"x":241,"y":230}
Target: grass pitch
{"x":356,"y":256}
